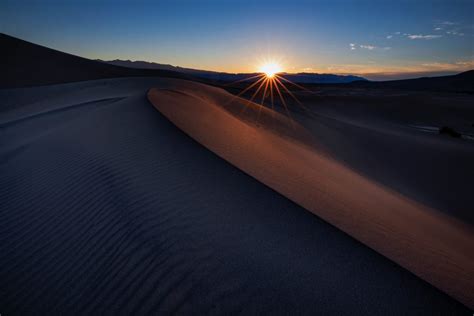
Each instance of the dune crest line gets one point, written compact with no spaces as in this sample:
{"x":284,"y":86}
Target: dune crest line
{"x":436,"y":248}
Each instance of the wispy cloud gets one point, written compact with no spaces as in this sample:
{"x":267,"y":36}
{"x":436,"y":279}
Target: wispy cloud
{"x":414,"y":36}
{"x":441,"y":28}
{"x":452,"y":28}
{"x":455,"y":33}
{"x":393,"y":34}
{"x":459,"y":65}
{"x":421,"y":36}
{"x":448,"y":23}
{"x":353,"y":46}
{"x":369,"y":47}
{"x":380,"y":71}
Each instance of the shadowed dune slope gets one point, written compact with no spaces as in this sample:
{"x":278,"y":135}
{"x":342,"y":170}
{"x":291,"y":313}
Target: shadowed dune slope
{"x":393,"y":138}
{"x":108,"y":208}
{"x":433,"y":246}
{"x":27,"y":64}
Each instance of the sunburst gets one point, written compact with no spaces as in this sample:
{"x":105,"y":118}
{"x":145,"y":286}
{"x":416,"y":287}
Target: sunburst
{"x":270,"y":82}
{"x":270,"y":69}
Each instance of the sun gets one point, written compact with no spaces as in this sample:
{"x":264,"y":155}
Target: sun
{"x":270,"y":69}
{"x":270,"y":82}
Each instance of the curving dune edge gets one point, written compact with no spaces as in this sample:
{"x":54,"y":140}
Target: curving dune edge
{"x":280,"y":154}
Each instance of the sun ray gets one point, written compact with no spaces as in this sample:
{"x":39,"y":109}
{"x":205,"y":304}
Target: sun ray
{"x":286,"y":89}
{"x":253,"y":96}
{"x":293,"y":96}
{"x":294,"y":84}
{"x":245,"y":79}
{"x":246,"y":89}
{"x":251,"y":86}
{"x":265,"y":91}
{"x":271,"y":93}
{"x":284,"y":104}
{"x":263,"y":97}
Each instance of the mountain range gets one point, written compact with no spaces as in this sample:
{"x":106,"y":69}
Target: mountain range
{"x":229,"y":77}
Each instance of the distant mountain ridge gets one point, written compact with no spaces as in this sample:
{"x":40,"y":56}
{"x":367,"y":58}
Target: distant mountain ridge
{"x":223,"y":76}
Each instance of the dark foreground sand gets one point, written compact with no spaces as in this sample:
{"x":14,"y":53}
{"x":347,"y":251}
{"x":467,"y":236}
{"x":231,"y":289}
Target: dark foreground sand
{"x":107,"y":207}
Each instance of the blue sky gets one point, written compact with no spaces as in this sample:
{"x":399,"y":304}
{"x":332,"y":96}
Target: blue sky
{"x":378,"y":38}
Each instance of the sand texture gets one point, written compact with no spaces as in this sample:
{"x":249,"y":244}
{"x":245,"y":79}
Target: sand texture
{"x":106,"y":207}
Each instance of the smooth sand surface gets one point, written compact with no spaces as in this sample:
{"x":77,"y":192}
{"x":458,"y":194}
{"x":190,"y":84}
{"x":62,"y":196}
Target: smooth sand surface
{"x":107,"y":207}
{"x":437,"y":248}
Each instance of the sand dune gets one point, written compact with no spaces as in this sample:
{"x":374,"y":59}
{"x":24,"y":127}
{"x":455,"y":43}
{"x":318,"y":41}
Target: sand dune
{"x":107,"y":207}
{"x":373,"y":132}
{"x":437,"y":248}
{"x":26,"y":64}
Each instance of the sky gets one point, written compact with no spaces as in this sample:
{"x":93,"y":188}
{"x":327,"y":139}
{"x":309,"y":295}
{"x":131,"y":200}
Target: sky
{"x":379,"y":39}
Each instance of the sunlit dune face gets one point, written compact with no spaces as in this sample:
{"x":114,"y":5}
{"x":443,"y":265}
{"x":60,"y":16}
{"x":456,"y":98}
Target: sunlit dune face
{"x":270,"y":69}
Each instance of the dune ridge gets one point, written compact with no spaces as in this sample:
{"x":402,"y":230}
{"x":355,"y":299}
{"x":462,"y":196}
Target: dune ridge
{"x":20,"y":66}
{"x":433,"y":246}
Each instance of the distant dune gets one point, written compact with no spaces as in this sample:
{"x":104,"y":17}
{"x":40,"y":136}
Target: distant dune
{"x":27,"y":64}
{"x":463,"y":82}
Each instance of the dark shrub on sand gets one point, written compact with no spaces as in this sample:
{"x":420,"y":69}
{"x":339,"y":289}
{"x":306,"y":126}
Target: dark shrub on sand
{"x":449,"y":131}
